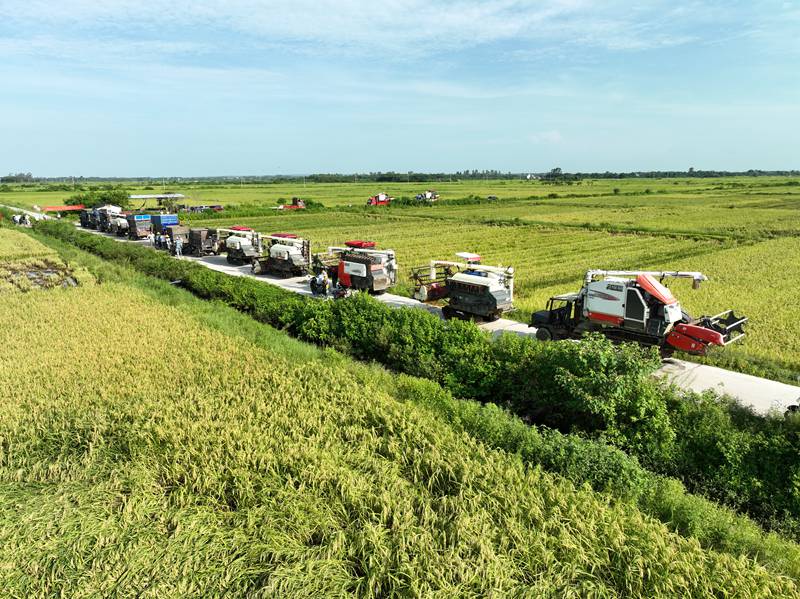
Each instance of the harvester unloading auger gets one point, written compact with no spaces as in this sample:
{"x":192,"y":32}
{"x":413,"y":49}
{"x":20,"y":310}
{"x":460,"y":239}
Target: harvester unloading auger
{"x":627,"y":305}
{"x":470,"y":288}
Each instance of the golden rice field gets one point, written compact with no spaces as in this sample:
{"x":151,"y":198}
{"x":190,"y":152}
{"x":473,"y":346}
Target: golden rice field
{"x":146,"y":454}
{"x":757,"y":277}
{"x":27,"y":265}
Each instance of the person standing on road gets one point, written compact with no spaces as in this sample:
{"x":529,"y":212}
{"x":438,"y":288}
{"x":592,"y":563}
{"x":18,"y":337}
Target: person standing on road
{"x":151,"y":239}
{"x":179,"y":247}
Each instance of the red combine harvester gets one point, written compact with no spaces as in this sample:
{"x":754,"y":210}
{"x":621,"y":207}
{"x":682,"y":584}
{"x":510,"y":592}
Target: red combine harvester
{"x":297,"y":204}
{"x":357,"y":266}
{"x":381,"y":199}
{"x":635,"y":306}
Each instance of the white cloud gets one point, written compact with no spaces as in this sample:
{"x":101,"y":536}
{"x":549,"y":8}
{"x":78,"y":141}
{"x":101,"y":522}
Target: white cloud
{"x":392,"y":28}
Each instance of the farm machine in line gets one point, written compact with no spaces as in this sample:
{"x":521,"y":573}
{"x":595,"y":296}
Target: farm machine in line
{"x":285,"y":254}
{"x":634,"y":306}
{"x":381,"y":199}
{"x":241,"y":244}
{"x":470,"y":288}
{"x":429,"y":196}
{"x":297,"y":204}
{"x":357,"y":266}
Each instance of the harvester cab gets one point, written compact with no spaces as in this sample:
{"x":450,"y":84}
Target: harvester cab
{"x":636,"y":306}
{"x":358,"y":266}
{"x":381,"y":199}
{"x":285,"y":255}
{"x":470,"y":288}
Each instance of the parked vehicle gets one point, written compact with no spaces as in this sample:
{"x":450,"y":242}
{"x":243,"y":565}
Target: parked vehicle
{"x":359,"y":266}
{"x":635,"y":306}
{"x":469,"y":288}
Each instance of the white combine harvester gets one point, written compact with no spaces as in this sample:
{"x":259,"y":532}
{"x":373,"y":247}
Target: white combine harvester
{"x":470,"y":288}
{"x":632,"y":305}
{"x":285,"y":254}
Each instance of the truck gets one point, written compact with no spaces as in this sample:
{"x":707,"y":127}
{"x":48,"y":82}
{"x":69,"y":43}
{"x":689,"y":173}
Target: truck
{"x":285,"y":254}
{"x":202,"y":242}
{"x":636,"y":306}
{"x":470,"y":289}
{"x":358,"y":266}
{"x":176,"y":232}
{"x":138,"y":226}
{"x":159,"y":222}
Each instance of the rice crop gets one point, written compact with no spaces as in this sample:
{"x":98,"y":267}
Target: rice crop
{"x":144,"y":454}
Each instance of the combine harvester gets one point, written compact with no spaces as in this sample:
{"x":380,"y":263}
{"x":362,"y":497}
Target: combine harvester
{"x":381,"y":199}
{"x":357,"y":266}
{"x":633,"y":306}
{"x":286,"y":255}
{"x":297,"y":204}
{"x":429,"y":196}
{"x":470,"y":288}
{"x":241,"y":244}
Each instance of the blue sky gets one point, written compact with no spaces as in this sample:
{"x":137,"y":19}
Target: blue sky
{"x":237,"y":87}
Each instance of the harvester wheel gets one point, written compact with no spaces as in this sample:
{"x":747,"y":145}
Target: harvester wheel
{"x":544,"y":334}
{"x":448,"y":313}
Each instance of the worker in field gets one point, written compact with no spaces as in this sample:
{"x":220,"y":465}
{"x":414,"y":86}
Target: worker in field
{"x":179,"y":247}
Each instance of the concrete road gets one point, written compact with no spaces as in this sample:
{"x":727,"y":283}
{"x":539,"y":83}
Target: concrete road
{"x":762,"y":395}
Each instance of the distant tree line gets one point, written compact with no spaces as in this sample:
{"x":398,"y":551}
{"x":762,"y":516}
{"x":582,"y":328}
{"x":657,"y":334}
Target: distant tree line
{"x":554,"y":175}
{"x":17,"y":178}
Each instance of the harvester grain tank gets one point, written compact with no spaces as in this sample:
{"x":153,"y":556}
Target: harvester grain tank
{"x":636,"y":306}
{"x":381,"y":199}
{"x":358,"y":266}
{"x":470,"y":288}
{"x":285,"y":254}
{"x":138,"y":226}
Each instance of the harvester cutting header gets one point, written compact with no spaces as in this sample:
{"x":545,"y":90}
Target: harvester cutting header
{"x":634,"y":306}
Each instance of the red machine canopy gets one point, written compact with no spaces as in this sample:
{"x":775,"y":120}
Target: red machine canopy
{"x":63,"y":208}
{"x":286,"y":235}
{"x":357,"y":243}
{"x":656,"y":289}
{"x":240,"y":228}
